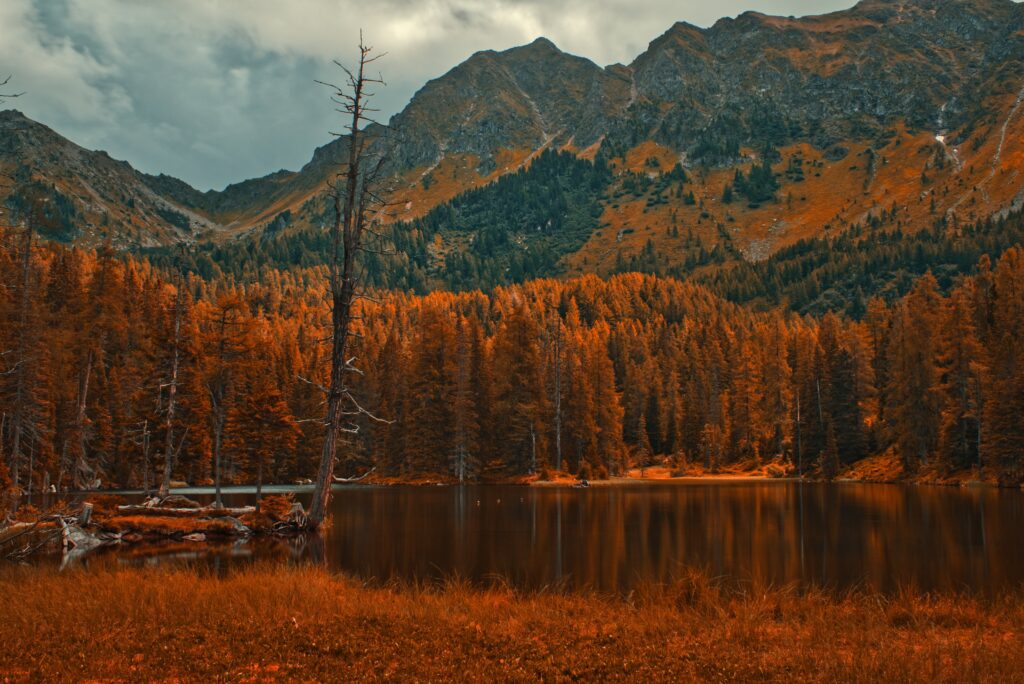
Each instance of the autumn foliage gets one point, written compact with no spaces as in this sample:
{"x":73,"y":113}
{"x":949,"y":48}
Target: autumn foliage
{"x":583,"y":376}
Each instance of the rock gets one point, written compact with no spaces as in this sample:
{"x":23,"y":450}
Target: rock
{"x":195,"y":537}
{"x":239,"y":526}
{"x":297,"y":515}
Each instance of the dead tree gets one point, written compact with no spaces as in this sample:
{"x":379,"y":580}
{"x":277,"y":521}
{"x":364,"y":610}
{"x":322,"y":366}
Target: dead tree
{"x":358,"y":204}
{"x":24,"y":367}
{"x":140,"y":437}
{"x":172,"y":391}
{"x":557,"y":389}
{"x":229,"y":313}
{"x":83,"y":473}
{"x":19,"y":365}
{"x":7,"y":96}
{"x":21,"y":361}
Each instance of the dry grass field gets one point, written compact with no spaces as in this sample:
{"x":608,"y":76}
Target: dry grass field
{"x":303,"y":624}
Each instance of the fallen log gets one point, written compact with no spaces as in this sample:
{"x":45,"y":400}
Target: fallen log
{"x":16,"y":530}
{"x":343,"y":480}
{"x":206,"y":512}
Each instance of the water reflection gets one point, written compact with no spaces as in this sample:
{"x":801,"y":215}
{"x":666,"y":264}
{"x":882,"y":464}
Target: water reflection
{"x":883,"y":537}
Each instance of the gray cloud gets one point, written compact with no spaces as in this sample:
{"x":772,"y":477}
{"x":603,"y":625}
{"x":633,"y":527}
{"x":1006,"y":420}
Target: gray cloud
{"x":215,"y":91}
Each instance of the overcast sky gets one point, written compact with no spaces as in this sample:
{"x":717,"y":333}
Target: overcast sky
{"x":216,"y":91}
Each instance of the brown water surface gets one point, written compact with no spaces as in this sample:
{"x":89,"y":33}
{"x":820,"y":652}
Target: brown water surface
{"x":612,"y":538}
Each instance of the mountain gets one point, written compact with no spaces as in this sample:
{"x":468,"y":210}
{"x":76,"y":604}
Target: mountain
{"x":745,"y":137}
{"x":83,"y":196}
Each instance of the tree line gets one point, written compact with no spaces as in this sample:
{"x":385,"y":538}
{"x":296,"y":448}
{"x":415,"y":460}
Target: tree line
{"x":584,"y":376}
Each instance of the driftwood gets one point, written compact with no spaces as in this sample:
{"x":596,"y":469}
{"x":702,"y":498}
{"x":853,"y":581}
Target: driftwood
{"x":296,"y":522}
{"x":206,"y":512}
{"x":342,"y":480}
{"x":14,"y":531}
{"x":74,"y":540}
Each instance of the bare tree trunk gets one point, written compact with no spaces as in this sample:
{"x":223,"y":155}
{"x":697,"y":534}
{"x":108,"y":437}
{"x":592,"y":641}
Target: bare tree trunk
{"x":82,"y":468}
{"x":821,"y":414}
{"x":21,"y":360}
{"x":145,"y":457}
{"x":31,"y":471}
{"x":558,"y":394}
{"x":218,"y":436}
{"x":62,"y":466}
{"x":218,"y":396}
{"x":351,"y":207}
{"x":799,"y":444}
{"x":533,"y":449}
{"x":172,"y":391}
{"x":259,"y":483}
{"x":335,"y":397}
{"x":3,"y":431}
{"x":981,"y":413}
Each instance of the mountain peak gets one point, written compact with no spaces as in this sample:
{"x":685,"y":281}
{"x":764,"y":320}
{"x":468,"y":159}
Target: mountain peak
{"x":540,"y":48}
{"x":543,"y":43}
{"x":16,"y":116}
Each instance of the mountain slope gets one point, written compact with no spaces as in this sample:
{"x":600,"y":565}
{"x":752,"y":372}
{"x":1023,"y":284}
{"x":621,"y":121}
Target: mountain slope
{"x":910,"y":109}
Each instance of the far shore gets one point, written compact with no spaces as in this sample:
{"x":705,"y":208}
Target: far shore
{"x":873,"y":470}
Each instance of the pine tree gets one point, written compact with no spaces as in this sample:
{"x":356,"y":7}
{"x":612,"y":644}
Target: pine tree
{"x":1003,"y":431}
{"x":520,"y":400}
{"x":828,"y":461}
{"x":262,"y":433}
{"x":607,"y":407}
{"x":914,"y":389}
{"x":465,"y":457}
{"x":226,"y":346}
{"x":432,"y":387}
{"x":777,"y":397}
{"x":963,"y":369}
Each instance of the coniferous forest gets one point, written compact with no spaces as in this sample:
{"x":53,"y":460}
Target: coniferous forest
{"x":584,"y":376}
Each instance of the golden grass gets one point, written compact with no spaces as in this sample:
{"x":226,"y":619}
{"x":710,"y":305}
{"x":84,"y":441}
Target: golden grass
{"x":305,"y":624}
{"x":160,"y":526}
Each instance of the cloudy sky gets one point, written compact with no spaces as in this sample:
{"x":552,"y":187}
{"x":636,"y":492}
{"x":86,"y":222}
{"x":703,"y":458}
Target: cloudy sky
{"x":216,"y":91}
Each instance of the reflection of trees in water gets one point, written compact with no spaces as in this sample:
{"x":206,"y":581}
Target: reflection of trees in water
{"x":613,"y":538}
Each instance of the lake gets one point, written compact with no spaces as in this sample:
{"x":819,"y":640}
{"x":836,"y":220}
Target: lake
{"x":610,"y":539}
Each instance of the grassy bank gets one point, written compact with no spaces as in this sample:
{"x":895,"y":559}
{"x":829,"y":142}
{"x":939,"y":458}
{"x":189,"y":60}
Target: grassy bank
{"x":304,"y":624}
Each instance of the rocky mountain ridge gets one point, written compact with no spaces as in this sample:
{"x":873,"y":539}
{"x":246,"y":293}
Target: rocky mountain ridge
{"x":912,"y":105}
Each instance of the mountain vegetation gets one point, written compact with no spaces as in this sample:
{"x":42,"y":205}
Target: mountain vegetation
{"x":510,"y":231}
{"x":859,"y":169}
{"x":646,"y":368}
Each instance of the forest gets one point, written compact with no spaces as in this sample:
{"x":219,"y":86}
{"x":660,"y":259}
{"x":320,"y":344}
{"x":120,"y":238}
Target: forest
{"x":514,"y":229}
{"x":583,"y":376}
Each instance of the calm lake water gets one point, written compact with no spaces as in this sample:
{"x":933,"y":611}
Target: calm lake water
{"x":612,"y":538}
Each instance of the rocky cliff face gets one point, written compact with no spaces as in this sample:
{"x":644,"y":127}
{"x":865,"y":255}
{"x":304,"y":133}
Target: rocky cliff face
{"x":879,"y":74}
{"x":848,"y":75}
{"x":79,"y":195}
{"x":523,"y":98}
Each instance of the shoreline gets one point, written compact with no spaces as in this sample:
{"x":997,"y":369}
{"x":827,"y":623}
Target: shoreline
{"x":614,"y":481}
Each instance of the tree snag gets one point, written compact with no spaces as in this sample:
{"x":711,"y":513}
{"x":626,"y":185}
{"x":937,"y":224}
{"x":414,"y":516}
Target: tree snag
{"x":358,"y":203}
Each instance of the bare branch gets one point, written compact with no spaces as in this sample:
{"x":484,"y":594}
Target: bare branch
{"x":314,"y":384}
{"x":362,"y":411}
